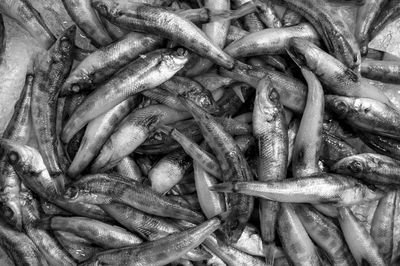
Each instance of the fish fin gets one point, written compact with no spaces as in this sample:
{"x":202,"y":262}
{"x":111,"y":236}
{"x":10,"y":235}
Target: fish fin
{"x":224,"y":187}
{"x":269,"y":253}
{"x":328,"y":41}
{"x":351,"y":74}
{"x":238,"y":92}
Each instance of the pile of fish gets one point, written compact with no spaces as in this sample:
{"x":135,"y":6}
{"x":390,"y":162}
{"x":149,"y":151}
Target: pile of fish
{"x":215,"y":132}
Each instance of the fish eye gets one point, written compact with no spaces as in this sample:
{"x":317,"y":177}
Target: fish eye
{"x":71,"y":193}
{"x":274,"y":95}
{"x":355,"y":166}
{"x":341,"y":107}
{"x":13,"y":157}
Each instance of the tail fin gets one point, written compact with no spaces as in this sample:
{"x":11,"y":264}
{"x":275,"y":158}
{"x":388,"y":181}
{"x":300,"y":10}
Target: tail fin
{"x":238,"y":92}
{"x":269,"y":249}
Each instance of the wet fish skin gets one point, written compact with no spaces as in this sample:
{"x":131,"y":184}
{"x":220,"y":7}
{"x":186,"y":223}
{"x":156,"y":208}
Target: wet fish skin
{"x":270,"y":41}
{"x":155,"y":68}
{"x":270,"y":131}
{"x":293,"y":128}
{"x":168,"y":171}
{"x":2,"y":39}
{"x":291,"y":18}
{"x":360,"y":242}
{"x":307,"y":147}
{"x":164,"y":23}
{"x":372,"y":168}
{"x":5,"y":259}
{"x":50,"y":209}
{"x":389,"y":13}
{"x":18,"y":129}
{"x":326,"y":234}
{"x":321,"y":188}
{"x":148,"y":226}
{"x":366,"y":14}
{"x":28,"y":164}
{"x":384,"y":71}
{"x":87,"y":20}
{"x":250,"y":242}
{"x":212,"y":82}
{"x":19,"y":246}
{"x":193,"y":90}
{"x":267,"y":14}
{"x":30,"y":19}
{"x":106,"y":61}
{"x":233,"y":166}
{"x":333,"y":149}
{"x":158,"y":252}
{"x":333,"y":30}
{"x":215,"y":31}
{"x":336,"y":76}
{"x":102,"y":234}
{"x":97,"y":132}
{"x":49,"y":75}
{"x":383,"y":145}
{"x":108,"y":188}
{"x":79,"y":248}
{"x":234,"y":34}
{"x":291,"y":90}
{"x":50,"y":248}
{"x":132,"y":132}
{"x":383,"y":224}
{"x":128,"y":167}
{"x":295,"y":241}
{"x":365,"y":114}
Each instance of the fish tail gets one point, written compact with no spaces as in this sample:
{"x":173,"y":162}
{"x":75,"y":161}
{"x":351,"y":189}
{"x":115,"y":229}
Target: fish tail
{"x":269,"y":253}
{"x":224,"y":187}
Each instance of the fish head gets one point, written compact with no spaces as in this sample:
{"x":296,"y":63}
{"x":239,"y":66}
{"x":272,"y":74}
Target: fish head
{"x":11,"y":212}
{"x":66,"y":42}
{"x":76,"y":193}
{"x":339,"y":105}
{"x":304,"y":53}
{"x":175,"y":60}
{"x":267,"y":100}
{"x":113,"y":9}
{"x":352,"y":165}
{"x":23,"y":158}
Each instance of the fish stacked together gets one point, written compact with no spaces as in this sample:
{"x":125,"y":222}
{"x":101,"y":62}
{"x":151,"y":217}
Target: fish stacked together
{"x":217,"y":132}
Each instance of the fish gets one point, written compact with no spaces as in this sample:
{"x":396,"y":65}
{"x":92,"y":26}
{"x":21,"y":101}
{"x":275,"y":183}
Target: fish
{"x":251,"y":22}
{"x":30,"y":19}
{"x":169,"y":171}
{"x":46,"y":243}
{"x":383,"y":224}
{"x":216,"y":31}
{"x":270,"y":41}
{"x":383,"y":145}
{"x":370,"y":167}
{"x":307,"y":146}
{"x":128,"y":168}
{"x":233,"y":166}
{"x":384,"y":71}
{"x":270,"y":131}
{"x":335,"y":33}
{"x":106,"y":61}
{"x":155,"y":68}
{"x":267,"y":14}
{"x":164,"y":23}
{"x":158,"y":252}
{"x":354,"y":234}
{"x":29,"y":165}
{"x":50,"y":73}
{"x":291,"y":90}
{"x":389,"y":13}
{"x":110,"y":188}
{"x":366,"y":15}
{"x":85,"y":17}
{"x":132,"y":132}
{"x":79,"y":248}
{"x":295,"y":241}
{"x":320,"y":188}
{"x":18,"y":129}
{"x":326,"y":234}
{"x":365,"y":114}
{"x":97,"y":132}
{"x":336,"y":76}
{"x":333,"y":149}
{"x":2,"y":39}
{"x":20,"y":247}
{"x":102,"y":234}
{"x":291,"y":18}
